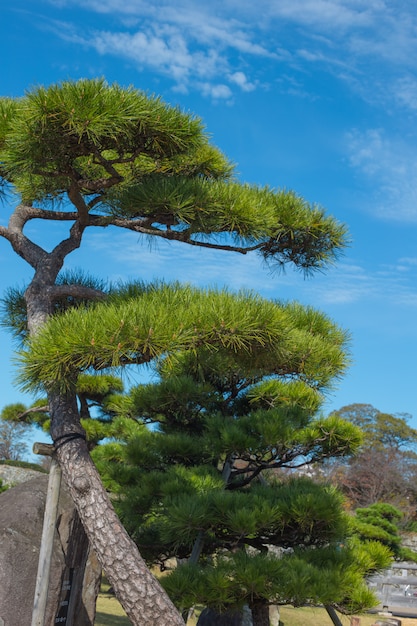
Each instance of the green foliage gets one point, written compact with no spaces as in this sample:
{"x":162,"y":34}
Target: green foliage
{"x":134,"y":158}
{"x":207,"y":206}
{"x":216,"y":410}
{"x":12,"y":412}
{"x":380,"y":523}
{"x":2,"y":487}
{"x":96,"y":398}
{"x":327,"y":575}
{"x":104,"y":155}
{"x":295,"y":513}
{"x":140,"y":330}
{"x":54,"y":129}
{"x":98,"y":387}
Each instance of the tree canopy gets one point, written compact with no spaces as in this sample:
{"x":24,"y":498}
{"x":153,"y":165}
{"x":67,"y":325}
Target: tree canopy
{"x":381,"y":429}
{"x":148,"y":167}
{"x":134,"y":329}
{"x":205,"y":484}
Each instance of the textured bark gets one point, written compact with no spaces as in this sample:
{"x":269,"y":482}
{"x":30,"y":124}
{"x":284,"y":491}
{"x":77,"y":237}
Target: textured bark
{"x":139,"y":592}
{"x":260,"y":614}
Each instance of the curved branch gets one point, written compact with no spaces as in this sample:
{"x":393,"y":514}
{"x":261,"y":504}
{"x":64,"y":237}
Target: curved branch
{"x":24,"y":213}
{"x":32,"y":253}
{"x":182,"y":236}
{"x":34,"y":409}
{"x":78,"y":201}
{"x":24,"y":247}
{"x":115,"y":176}
{"x":76,"y":291}
{"x":68,"y":245}
{"x":4,"y":232}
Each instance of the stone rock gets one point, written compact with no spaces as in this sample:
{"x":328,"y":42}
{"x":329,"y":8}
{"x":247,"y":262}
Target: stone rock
{"x":12,"y":475}
{"x":274,"y":615}
{"x":209,"y":617}
{"x":21,"y":521}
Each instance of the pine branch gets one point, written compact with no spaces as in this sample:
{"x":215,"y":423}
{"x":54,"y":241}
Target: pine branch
{"x":76,"y":291}
{"x":184,"y":236}
{"x":34,"y":409}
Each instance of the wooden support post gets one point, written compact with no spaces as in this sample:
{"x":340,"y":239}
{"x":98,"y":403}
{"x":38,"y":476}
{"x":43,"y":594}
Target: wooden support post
{"x":49,"y":522}
{"x":333,"y":615}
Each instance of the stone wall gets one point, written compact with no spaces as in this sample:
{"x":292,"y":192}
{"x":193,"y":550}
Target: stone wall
{"x":11,"y":475}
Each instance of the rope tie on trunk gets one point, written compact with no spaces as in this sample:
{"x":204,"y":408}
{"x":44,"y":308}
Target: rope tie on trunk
{"x":63,"y":439}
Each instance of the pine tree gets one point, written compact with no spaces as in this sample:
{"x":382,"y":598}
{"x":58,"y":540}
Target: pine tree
{"x":206,"y":483}
{"x":89,"y":154}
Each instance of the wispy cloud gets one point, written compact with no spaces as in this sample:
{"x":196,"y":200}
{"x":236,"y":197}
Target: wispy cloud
{"x":217,"y":41}
{"x":389,"y":165}
{"x":346,"y":285}
{"x":225,"y":47}
{"x":192,"y":47}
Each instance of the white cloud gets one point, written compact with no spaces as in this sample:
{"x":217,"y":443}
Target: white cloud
{"x":240,"y":79}
{"x":408,"y":261}
{"x":405,"y":90}
{"x":384,"y":287}
{"x":169,"y":55}
{"x":369,"y":44}
{"x":323,"y":14}
{"x":188,"y":43}
{"x":390,"y":166}
{"x":217,"y":92}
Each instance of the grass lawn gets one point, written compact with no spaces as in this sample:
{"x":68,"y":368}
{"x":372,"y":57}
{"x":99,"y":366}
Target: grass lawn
{"x":110,"y":613}
{"x":313,"y":616}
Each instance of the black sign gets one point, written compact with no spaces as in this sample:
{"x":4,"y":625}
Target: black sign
{"x":61,"y":617}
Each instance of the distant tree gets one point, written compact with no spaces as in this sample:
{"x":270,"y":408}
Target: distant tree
{"x":13,"y":435}
{"x":381,"y":429}
{"x":381,"y":522}
{"x":378,"y":475}
{"x":385,"y":469}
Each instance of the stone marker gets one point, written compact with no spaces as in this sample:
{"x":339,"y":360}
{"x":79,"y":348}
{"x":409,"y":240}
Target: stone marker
{"x":21,"y":521}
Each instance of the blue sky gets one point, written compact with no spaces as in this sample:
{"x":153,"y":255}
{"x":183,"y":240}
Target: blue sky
{"x":319,"y":96}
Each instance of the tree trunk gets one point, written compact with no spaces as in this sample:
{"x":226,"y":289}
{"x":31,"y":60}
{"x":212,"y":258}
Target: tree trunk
{"x":139,"y":592}
{"x":260,"y":614}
